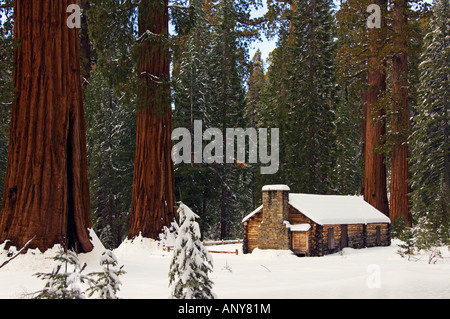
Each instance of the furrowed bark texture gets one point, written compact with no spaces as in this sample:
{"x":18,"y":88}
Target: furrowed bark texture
{"x":399,"y":195}
{"x":46,"y":192}
{"x":375,"y":192}
{"x":153,"y":200}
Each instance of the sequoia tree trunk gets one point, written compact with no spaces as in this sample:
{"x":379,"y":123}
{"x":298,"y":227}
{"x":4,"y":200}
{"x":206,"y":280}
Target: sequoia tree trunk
{"x":153,"y":199}
{"x":375,"y":192}
{"x":46,"y":192}
{"x":399,"y":197}
{"x":363,"y":135}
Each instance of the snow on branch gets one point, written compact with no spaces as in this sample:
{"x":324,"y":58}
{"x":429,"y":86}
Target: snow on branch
{"x":178,"y":6}
{"x":152,"y":77}
{"x":191,"y":263}
{"x":149,"y":34}
{"x":18,"y":253}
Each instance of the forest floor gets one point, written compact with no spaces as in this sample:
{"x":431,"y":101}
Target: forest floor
{"x":377,"y":272}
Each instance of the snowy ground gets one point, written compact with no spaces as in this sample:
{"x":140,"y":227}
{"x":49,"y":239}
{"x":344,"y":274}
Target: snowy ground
{"x":364,"y":273}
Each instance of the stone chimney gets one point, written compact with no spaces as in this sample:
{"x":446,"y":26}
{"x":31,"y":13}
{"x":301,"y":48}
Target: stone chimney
{"x":273,"y":233}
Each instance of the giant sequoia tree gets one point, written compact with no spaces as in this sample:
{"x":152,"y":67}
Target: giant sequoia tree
{"x":375,"y":192}
{"x":399,"y":199}
{"x":46,"y":192}
{"x":153,"y":201}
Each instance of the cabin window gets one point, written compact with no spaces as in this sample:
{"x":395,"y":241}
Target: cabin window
{"x":378,"y":236}
{"x":330,"y":238}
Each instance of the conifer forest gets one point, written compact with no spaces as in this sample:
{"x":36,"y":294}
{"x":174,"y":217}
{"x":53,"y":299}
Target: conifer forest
{"x":112,"y":112}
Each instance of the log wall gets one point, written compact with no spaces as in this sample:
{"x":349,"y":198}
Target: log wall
{"x":251,"y":230}
{"x":384,"y":237}
{"x":317,"y":241}
{"x":355,"y":235}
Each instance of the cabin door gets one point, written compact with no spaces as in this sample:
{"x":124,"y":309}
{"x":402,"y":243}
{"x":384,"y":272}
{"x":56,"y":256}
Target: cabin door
{"x":344,"y":236}
{"x":300,"y":243}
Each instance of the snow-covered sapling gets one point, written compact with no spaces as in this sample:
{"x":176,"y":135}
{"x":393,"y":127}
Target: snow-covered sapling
{"x":169,"y":235}
{"x":191,"y":262}
{"x":65,"y":279}
{"x":107,"y":283}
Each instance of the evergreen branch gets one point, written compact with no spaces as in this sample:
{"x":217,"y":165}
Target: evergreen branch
{"x":252,"y":22}
{"x":6,"y":105}
{"x":354,"y":75}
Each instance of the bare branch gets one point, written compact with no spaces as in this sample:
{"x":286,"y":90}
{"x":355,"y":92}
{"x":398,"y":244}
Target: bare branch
{"x":18,"y":253}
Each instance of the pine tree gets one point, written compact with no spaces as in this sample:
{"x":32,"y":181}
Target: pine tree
{"x":351,"y":112}
{"x":6,"y":82}
{"x":65,"y":279}
{"x":430,"y":165}
{"x":301,"y":97}
{"x":227,"y":104}
{"x":107,"y":283}
{"x":193,"y":179}
{"x":407,"y":246}
{"x":110,"y":97}
{"x":191,"y":79}
{"x":112,"y":34}
{"x":85,"y":43}
{"x":314,"y":101}
{"x":256,"y":84}
{"x":210,"y":88}
{"x":111,"y":132}
{"x":191,"y":263}
{"x":346,"y":171}
{"x":275,"y":108}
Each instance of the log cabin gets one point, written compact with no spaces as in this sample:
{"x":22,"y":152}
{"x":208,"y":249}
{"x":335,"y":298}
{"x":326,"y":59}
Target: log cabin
{"x":313,"y":225}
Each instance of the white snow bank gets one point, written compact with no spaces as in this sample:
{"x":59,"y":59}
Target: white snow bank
{"x":32,"y":260}
{"x":265,"y":274}
{"x":272,"y":253}
{"x":93,"y":256}
{"x":138,"y":245}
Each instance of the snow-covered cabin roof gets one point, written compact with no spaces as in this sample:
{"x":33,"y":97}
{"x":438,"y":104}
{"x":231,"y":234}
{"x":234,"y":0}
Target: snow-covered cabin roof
{"x":333,"y":209}
{"x":337,"y":209}
{"x":252,"y":213}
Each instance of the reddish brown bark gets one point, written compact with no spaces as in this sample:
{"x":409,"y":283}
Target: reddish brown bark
{"x":375,"y":192}
{"x":363,"y":131}
{"x":399,"y":195}
{"x":153,"y":201}
{"x":46,"y":186}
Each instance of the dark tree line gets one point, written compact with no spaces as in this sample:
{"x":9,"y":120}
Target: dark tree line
{"x":360,"y":111}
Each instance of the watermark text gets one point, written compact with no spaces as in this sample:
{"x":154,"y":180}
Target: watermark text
{"x":222,"y":150}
